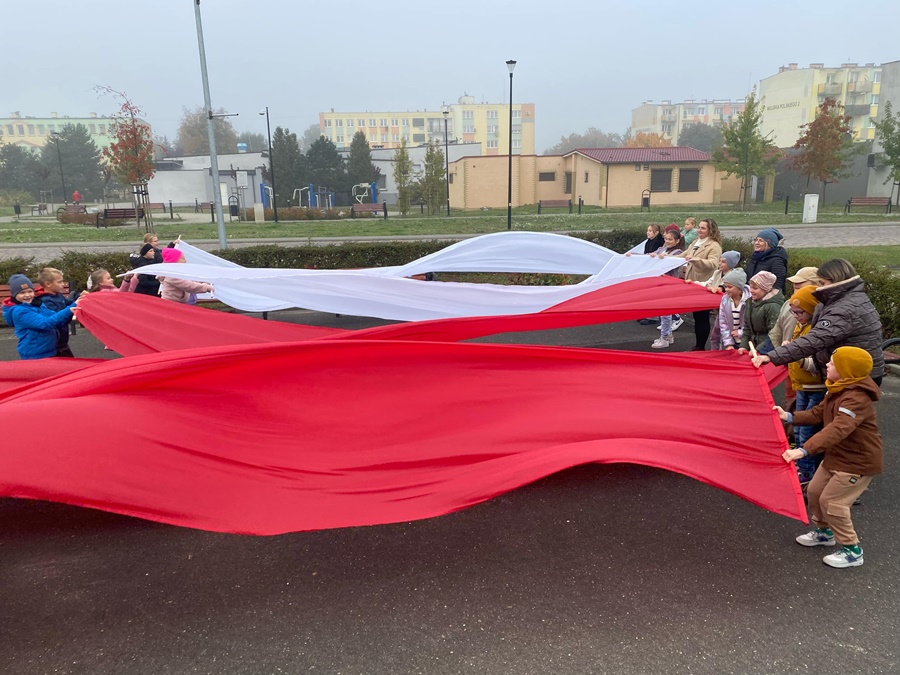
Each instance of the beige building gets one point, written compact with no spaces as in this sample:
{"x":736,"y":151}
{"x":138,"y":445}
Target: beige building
{"x":33,"y":132}
{"x":790,"y":98}
{"x":670,"y":119}
{"x":467,"y":122}
{"x":607,"y":177}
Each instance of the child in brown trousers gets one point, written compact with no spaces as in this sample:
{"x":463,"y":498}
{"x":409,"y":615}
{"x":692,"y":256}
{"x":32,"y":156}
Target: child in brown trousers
{"x":853,"y":452}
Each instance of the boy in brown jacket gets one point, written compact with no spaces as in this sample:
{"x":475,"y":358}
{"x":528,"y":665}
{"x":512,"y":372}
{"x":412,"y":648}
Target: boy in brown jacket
{"x":853,"y":452}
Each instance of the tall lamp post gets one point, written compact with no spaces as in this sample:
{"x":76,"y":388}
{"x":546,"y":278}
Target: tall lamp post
{"x":511,"y":65}
{"x":446,"y":112}
{"x":271,"y":162}
{"x":62,"y":178}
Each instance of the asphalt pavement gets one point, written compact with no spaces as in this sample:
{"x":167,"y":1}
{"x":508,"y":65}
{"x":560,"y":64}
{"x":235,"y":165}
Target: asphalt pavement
{"x":599,"y":569}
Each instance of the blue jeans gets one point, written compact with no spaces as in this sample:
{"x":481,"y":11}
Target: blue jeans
{"x":665,"y":325}
{"x":802,"y":433}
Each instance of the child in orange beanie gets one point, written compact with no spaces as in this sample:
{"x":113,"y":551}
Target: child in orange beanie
{"x":853,"y":452}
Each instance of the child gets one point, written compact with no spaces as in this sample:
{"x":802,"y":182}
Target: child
{"x":101,"y":280}
{"x":762,"y":313}
{"x":690,"y":231}
{"x":51,"y":296}
{"x":805,"y":380}
{"x":853,"y":452}
{"x":180,"y":290}
{"x":673,"y":242}
{"x":35,"y":325}
{"x":727,"y":262}
{"x":731,"y":309}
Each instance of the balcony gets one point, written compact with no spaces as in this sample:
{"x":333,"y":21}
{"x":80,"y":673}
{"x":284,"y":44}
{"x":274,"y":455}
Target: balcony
{"x":859,"y":87}
{"x":670,"y":117}
{"x":830,"y":89}
{"x":859,"y":110}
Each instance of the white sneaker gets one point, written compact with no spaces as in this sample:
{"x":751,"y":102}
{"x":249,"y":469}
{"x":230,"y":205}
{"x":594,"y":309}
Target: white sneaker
{"x":662,"y":342}
{"x":816,"y":537}
{"x":844,"y":557}
{"x":677,"y":323}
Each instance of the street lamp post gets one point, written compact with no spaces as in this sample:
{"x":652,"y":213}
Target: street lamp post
{"x":271,"y":162}
{"x":511,"y":65}
{"x":446,"y":112}
{"x":62,"y":178}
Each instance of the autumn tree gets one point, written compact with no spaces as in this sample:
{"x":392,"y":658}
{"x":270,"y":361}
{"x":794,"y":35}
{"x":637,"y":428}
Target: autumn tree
{"x":434,"y":189}
{"x":648,"y":140}
{"x":745,"y":152}
{"x":130,"y":155}
{"x":289,"y":164}
{"x":888,"y":134}
{"x":193,"y":136}
{"x":592,"y":138}
{"x":403,"y":176}
{"x":80,"y":159}
{"x":700,"y":136}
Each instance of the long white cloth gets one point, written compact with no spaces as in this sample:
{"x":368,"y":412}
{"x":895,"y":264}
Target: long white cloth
{"x":387,"y":293}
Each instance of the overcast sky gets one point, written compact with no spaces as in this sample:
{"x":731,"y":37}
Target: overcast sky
{"x":582,"y":63}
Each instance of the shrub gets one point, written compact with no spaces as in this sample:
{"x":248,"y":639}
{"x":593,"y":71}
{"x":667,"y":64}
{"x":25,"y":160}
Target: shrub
{"x":10,"y":197}
{"x":294,"y":213}
{"x":76,"y":218}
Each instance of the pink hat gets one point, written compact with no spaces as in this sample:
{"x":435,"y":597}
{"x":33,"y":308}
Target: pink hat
{"x":764,"y":280}
{"x":171,"y":255}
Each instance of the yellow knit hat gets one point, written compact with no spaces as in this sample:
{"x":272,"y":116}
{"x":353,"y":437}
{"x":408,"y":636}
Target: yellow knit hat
{"x":852,"y":363}
{"x":804,"y":299}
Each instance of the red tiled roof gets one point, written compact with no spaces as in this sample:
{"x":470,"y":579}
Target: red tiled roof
{"x":643,"y":155}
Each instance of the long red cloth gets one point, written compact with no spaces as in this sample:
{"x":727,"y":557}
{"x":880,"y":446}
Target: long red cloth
{"x":273,"y":438}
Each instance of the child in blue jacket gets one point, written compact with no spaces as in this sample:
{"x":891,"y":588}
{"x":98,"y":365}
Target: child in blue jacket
{"x":35,"y":327}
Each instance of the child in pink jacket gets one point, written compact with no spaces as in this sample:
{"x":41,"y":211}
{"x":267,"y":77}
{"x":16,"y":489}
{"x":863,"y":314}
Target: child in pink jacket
{"x":180,"y":290}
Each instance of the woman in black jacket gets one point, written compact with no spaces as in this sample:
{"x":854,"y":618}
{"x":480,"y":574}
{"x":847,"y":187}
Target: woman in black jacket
{"x":655,"y":239}
{"x":768,"y":256}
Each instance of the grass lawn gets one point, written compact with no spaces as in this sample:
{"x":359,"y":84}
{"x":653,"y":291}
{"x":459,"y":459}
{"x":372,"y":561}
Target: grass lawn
{"x":888,"y":256}
{"x":43,"y":230}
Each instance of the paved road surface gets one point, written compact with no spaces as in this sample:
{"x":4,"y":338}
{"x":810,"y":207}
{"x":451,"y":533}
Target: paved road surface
{"x":616,"y":569}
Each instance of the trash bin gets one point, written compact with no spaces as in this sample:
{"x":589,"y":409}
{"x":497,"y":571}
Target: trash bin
{"x":645,"y":200}
{"x":17,"y":209}
{"x":233,"y":210}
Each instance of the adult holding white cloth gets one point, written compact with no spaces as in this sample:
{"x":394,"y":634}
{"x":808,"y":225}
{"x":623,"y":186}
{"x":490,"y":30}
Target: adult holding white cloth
{"x":703,"y":259}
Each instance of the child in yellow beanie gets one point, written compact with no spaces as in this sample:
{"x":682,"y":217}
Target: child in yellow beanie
{"x":805,"y":379}
{"x":853,"y":452}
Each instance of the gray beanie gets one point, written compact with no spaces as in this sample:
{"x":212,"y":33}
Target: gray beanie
{"x":17,"y":284}
{"x":731,"y":258}
{"x":736,"y":277}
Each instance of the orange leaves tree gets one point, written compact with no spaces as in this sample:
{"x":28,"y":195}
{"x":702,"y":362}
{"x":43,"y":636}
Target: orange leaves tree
{"x":647,"y":140}
{"x":825,"y":146}
{"x":130,"y":155}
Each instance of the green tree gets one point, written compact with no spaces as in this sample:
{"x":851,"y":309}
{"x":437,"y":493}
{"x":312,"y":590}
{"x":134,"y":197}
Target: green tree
{"x":826,"y":146}
{"x":403,"y":177}
{"x":80,"y":159}
{"x":20,"y":171}
{"x":360,"y":168}
{"x":325,"y":167}
{"x":434,"y":190}
{"x":888,"y":134}
{"x":193,"y":136}
{"x":745,"y":152}
{"x":288,"y":162}
{"x":310,"y":136}
{"x":592,"y":138}
{"x":701,"y":136}
{"x":255,"y":142}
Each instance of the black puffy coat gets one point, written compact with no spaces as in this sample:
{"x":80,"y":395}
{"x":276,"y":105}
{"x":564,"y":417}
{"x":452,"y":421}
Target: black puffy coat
{"x":774,"y":260}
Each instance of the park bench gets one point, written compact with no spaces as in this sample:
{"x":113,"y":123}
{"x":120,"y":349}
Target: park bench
{"x":868,"y":201}
{"x":4,"y":292}
{"x":204,"y":205}
{"x":157,"y":206}
{"x":119,"y":214}
{"x":40,"y":208}
{"x":72,"y":208}
{"x":554,"y":204}
{"x":369,"y":208}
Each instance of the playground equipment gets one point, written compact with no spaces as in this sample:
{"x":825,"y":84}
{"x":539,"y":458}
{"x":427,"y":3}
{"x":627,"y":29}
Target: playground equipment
{"x":365,"y":193}
{"x":316,"y":197}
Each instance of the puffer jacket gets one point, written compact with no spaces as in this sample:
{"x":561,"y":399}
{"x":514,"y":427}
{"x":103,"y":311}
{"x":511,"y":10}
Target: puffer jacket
{"x":179,"y":290}
{"x":35,"y":327}
{"x":726,"y":318}
{"x":775,"y":261}
{"x":759,"y":319}
{"x":845,"y":317}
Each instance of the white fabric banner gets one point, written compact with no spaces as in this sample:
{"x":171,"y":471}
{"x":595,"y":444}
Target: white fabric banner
{"x":387,"y":293}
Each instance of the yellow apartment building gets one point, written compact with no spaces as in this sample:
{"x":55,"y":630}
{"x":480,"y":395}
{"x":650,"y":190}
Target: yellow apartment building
{"x":671,"y":119}
{"x":606,"y":177}
{"x":467,"y":122}
{"x":32,"y":132}
{"x":789,"y":99}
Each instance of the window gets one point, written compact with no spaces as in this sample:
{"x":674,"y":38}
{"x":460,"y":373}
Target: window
{"x":719,"y":110}
{"x":451,"y":179}
{"x":384,"y":138}
{"x":517,"y":144}
{"x":689,"y":112}
{"x":418,"y":138}
{"x":339,"y":139}
{"x":349,"y":123}
{"x":492,"y":114}
{"x":93,"y":128}
{"x":395,"y":138}
{"x":327,"y":124}
{"x":568,"y":186}
{"x":418,"y":122}
{"x":876,"y":76}
{"x":52,"y":128}
{"x":31,"y":129}
{"x":361,"y":123}
{"x":372,"y":122}
{"x":103,"y":129}
{"x":9,"y":130}
{"x":468,"y":129}
{"x":21,"y":129}
{"x":701,"y":110}
{"x":492,"y":144}
{"x":667,"y":128}
{"x":41,"y":131}
{"x":637,"y":167}
{"x":517,"y":114}
{"x":394,"y":122}
{"x":587,"y":176}
{"x":468,"y":115}
{"x":405,"y":121}
{"x":689,"y":180}
{"x":661,"y":180}
{"x":384,"y":121}
{"x":547,"y":177}
{"x":492,"y":129}
{"x":339,"y":123}
{"x":874,"y":99}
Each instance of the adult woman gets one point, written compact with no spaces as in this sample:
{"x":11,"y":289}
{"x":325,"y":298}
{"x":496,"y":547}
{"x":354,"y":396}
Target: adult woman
{"x":703,"y":258}
{"x":845,"y":317}
{"x":149,"y":255}
{"x":768,"y":256}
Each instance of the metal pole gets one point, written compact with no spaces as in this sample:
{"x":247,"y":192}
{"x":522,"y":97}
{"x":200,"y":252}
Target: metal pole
{"x":214,"y":159}
{"x":271,"y":165}
{"x":447,"y":161}
{"x":62,"y":177}
{"x":510,"y":65}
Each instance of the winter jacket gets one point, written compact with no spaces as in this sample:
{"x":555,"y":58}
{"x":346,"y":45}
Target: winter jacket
{"x":146,"y":283}
{"x":850,"y":438}
{"x":180,"y":290}
{"x":55,"y":302}
{"x":35,"y":327}
{"x":714,"y":282}
{"x":845,"y":317}
{"x":705,"y":259}
{"x":726,"y":321}
{"x":804,"y":373}
{"x":784,"y":327}
{"x":651,"y":245}
{"x":663,"y":251}
{"x":773,"y":260}
{"x":759,"y":319}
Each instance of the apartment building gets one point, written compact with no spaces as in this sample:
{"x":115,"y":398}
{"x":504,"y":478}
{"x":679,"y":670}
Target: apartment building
{"x":32,"y":132}
{"x":789,"y":98}
{"x":670,"y":119}
{"x":467,"y":122}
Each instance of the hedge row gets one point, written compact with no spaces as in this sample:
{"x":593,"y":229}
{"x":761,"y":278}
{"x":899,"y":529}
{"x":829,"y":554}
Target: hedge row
{"x":882,"y":285}
{"x":298,"y":213}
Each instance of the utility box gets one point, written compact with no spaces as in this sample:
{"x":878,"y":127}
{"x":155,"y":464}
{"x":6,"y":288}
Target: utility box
{"x":259,"y":213}
{"x":810,"y":208}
